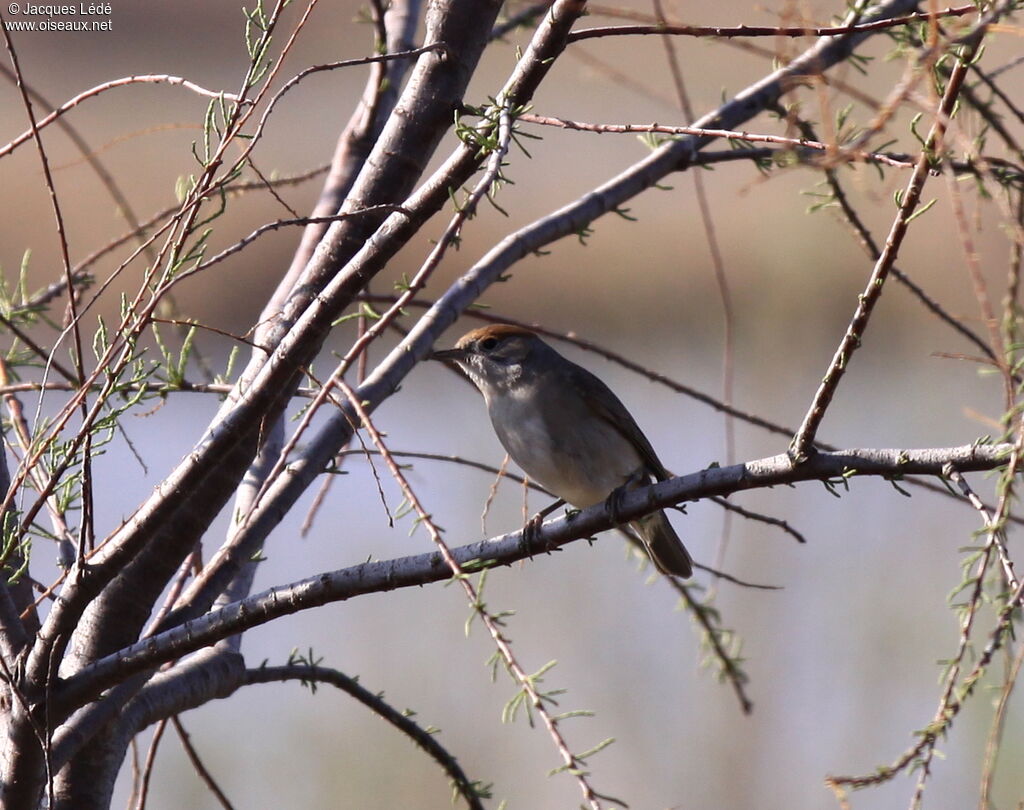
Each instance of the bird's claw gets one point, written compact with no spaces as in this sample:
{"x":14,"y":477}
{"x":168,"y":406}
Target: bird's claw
{"x":613,"y":503}
{"x":531,"y":529}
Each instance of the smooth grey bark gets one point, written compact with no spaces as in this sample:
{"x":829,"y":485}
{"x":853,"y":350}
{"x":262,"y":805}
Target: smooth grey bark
{"x":167,"y":527}
{"x":354,"y":145}
{"x":416,"y":570}
{"x":89,"y":781}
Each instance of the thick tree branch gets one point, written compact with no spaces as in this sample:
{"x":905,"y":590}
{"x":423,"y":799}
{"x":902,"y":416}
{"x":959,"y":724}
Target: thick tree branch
{"x":546,"y":44}
{"x":374,"y":577}
{"x":184,"y":504}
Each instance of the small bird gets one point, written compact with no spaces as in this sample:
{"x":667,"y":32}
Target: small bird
{"x":565,"y":428}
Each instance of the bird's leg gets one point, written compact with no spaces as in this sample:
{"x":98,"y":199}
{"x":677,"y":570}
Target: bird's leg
{"x":614,"y":499}
{"x":532,"y":526}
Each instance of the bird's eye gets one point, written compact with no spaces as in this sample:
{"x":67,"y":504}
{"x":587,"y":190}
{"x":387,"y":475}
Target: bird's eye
{"x":488,"y":343}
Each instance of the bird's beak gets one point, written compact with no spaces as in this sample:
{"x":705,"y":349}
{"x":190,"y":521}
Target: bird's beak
{"x":449,"y":354}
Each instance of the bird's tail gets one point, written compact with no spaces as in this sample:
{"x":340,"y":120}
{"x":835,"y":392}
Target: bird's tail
{"x":663,"y":545}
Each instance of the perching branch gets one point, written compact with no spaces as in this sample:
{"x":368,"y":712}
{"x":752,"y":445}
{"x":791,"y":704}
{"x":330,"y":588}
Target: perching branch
{"x":374,"y":577}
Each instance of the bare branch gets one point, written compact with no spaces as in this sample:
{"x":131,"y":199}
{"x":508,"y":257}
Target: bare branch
{"x":371,"y":577}
{"x":728,"y":32}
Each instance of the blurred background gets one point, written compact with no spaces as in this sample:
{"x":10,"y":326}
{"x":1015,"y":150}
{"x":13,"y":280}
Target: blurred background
{"x":842,"y":660}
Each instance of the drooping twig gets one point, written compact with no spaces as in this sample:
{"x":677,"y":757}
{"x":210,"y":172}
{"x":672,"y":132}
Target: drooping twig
{"x":992,"y":744}
{"x":147,"y":766}
{"x":102,"y":88}
{"x":990,"y":526}
{"x":312,"y":674}
{"x":951,"y":706}
{"x":760,"y":518}
{"x":197,"y":764}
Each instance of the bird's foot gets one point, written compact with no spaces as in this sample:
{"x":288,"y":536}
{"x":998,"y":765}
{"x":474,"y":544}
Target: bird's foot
{"x":613,"y":503}
{"x":532,"y":527}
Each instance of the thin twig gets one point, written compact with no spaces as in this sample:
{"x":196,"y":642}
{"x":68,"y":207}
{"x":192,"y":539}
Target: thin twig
{"x":500,"y":473}
{"x":951,"y":707}
{"x":761,"y":518}
{"x":980,"y":288}
{"x":802,"y":443}
{"x":836,"y":152}
{"x":229,"y":190}
{"x":295,"y":80}
{"x":38,"y":474}
{"x":989,"y":526}
{"x":995,"y":732}
{"x":728,"y":32}
{"x":149,"y":764}
{"x":197,"y":764}
{"x":713,"y":637}
{"x":273,"y":226}
{"x":312,"y":674}
{"x":92,"y":92}
{"x":722,"y":286}
{"x":867,"y":241}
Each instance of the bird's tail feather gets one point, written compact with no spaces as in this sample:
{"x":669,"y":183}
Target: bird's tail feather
{"x":663,"y":545}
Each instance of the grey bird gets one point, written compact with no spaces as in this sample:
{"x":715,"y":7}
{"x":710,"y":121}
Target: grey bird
{"x":565,"y":428}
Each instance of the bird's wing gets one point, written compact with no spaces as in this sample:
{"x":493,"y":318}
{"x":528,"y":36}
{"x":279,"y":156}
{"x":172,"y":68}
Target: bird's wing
{"x":611,"y":410}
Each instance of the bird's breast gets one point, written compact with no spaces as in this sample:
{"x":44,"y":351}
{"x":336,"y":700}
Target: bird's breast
{"x":562,"y":445}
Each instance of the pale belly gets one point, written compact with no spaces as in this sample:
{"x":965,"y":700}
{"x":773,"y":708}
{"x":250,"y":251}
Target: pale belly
{"x":581,"y":462}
